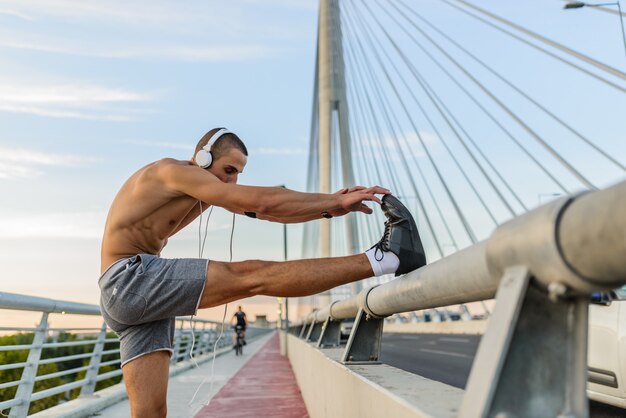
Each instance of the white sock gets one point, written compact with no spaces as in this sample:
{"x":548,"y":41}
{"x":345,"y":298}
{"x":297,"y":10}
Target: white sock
{"x":383,"y":262}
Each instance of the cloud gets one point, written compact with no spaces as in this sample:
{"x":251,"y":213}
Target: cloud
{"x":55,"y":225}
{"x":167,"y":52}
{"x":68,"y":100}
{"x":280,"y":151}
{"x":18,"y":162}
{"x":10,"y":12}
{"x":148,"y":12}
{"x":389,"y":143}
{"x":140,"y":12}
{"x":161,"y":144}
{"x":10,"y":170}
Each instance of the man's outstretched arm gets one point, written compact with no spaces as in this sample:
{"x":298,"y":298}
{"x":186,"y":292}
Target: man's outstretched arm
{"x":274,"y":202}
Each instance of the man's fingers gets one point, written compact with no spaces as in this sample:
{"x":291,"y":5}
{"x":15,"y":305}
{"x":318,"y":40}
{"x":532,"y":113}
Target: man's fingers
{"x":379,"y":190}
{"x":356,"y":189}
{"x":366,"y":209}
{"x":374,"y":199}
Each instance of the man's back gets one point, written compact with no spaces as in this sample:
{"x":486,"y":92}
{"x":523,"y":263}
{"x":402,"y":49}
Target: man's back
{"x":241,"y":318}
{"x":144,"y":214}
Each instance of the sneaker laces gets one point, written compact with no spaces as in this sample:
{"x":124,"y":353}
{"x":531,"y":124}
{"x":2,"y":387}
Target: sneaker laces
{"x":381,"y":246}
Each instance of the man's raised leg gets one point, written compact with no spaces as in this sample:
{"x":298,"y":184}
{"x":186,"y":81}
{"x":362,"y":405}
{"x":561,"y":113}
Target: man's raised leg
{"x":231,"y":281}
{"x":399,"y":251}
{"x":146,"y":382}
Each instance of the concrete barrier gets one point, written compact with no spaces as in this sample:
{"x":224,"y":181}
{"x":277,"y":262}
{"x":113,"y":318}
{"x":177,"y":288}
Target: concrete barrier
{"x":476,"y":327}
{"x":331,"y":389}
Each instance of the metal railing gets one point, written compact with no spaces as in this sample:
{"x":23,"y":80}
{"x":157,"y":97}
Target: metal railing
{"x":44,"y":337}
{"x":542,"y":268}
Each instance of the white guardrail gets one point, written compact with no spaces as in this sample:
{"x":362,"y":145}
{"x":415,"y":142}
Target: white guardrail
{"x":542,"y":268}
{"x":44,"y":337}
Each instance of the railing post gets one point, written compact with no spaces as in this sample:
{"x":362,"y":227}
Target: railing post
{"x":191,"y":343}
{"x":363,"y":346}
{"x":331,"y":334}
{"x":532,"y":361}
{"x":94,"y":365}
{"x":25,"y":389}
{"x":315,"y":331}
{"x":211,"y":338}
{"x":177,"y":337}
{"x":204,"y":339}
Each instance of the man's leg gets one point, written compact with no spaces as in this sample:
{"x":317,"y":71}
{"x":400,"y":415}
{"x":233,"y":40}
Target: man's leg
{"x":399,"y":251}
{"x":146,"y":382}
{"x":231,"y":281}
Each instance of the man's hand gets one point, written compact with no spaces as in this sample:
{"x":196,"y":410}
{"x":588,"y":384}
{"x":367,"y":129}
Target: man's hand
{"x":352,"y":199}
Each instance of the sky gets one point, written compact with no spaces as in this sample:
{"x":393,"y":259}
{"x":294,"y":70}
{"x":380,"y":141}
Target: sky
{"x":92,"y":91}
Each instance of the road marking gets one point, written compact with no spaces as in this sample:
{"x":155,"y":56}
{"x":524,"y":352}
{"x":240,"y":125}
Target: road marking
{"x":454,"y":340}
{"x":407,"y":337}
{"x":445,"y":353}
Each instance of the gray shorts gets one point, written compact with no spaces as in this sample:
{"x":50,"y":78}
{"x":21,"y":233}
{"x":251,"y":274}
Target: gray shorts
{"x":141,"y":296}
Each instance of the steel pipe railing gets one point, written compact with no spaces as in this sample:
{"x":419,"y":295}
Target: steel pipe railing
{"x":205,"y":332}
{"x":543,"y":266}
{"x":576,"y":241}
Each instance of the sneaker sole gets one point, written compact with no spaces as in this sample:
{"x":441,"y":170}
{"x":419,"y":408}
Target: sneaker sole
{"x":406,"y":214}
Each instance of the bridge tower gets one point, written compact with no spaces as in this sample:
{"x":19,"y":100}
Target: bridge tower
{"x":331,"y":109}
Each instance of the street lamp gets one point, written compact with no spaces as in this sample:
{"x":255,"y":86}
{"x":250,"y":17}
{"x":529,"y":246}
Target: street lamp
{"x":580,"y":4}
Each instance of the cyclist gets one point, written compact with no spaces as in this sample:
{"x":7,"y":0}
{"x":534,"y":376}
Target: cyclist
{"x":239,"y":320}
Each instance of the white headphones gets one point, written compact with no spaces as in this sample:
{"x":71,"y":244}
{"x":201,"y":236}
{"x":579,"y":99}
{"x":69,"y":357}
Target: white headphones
{"x":204,"y":158}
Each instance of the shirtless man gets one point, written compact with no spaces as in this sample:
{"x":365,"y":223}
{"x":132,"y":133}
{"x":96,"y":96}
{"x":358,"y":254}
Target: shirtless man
{"x":142,"y":293}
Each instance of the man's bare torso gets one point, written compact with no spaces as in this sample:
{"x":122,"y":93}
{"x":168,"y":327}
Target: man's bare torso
{"x":144,"y":214}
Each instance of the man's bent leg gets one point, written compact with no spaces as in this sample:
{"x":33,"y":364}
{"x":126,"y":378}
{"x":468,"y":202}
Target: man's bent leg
{"x":231,"y":281}
{"x":146,"y":382}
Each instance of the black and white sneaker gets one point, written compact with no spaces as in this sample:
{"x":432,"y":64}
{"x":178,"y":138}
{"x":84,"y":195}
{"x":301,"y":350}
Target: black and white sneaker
{"x":401,"y":236}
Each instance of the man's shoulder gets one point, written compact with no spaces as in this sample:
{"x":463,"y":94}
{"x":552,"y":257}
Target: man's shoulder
{"x":166,"y":167}
{"x":169,"y":162}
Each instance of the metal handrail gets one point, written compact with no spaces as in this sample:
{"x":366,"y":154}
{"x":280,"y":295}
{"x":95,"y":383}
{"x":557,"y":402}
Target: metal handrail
{"x":474,"y":273}
{"x":542,"y":265}
{"x":19,"y":406}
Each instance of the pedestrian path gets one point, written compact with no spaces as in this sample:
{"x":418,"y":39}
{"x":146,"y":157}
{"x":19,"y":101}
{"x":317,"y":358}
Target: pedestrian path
{"x":264,"y":387}
{"x":182,"y":386}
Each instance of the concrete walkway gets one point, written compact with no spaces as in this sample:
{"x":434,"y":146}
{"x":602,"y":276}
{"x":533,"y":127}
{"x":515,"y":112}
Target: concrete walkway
{"x":264,"y":387}
{"x":182,"y":387}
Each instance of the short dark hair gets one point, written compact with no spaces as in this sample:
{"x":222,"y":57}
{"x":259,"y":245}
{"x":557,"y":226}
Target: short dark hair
{"x":222,"y":145}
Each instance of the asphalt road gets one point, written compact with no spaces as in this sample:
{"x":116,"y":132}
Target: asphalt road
{"x":448,"y":359}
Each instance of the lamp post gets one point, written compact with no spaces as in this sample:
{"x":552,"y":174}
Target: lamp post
{"x":580,"y":4}
{"x":286,"y":323}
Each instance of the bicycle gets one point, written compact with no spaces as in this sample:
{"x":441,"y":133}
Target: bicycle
{"x":239,"y":340}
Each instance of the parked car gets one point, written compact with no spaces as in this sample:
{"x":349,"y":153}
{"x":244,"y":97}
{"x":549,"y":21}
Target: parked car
{"x":607,"y":348}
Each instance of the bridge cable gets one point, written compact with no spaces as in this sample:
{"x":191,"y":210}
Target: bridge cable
{"x":591,"y":61}
{"x":395,"y":136}
{"x":453,"y":201}
{"x":520,"y":91}
{"x":539,"y":48}
{"x":428,"y":89}
{"x":483,"y":109}
{"x":512,"y":114}
{"x":464,"y":221}
{"x":363,"y":83}
{"x":361,"y":163}
{"x":410,"y":177}
{"x":415,"y":189}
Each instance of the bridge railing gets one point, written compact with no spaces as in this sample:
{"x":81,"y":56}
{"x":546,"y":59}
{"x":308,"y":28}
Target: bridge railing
{"x":542,"y":268}
{"x":95,"y":340}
